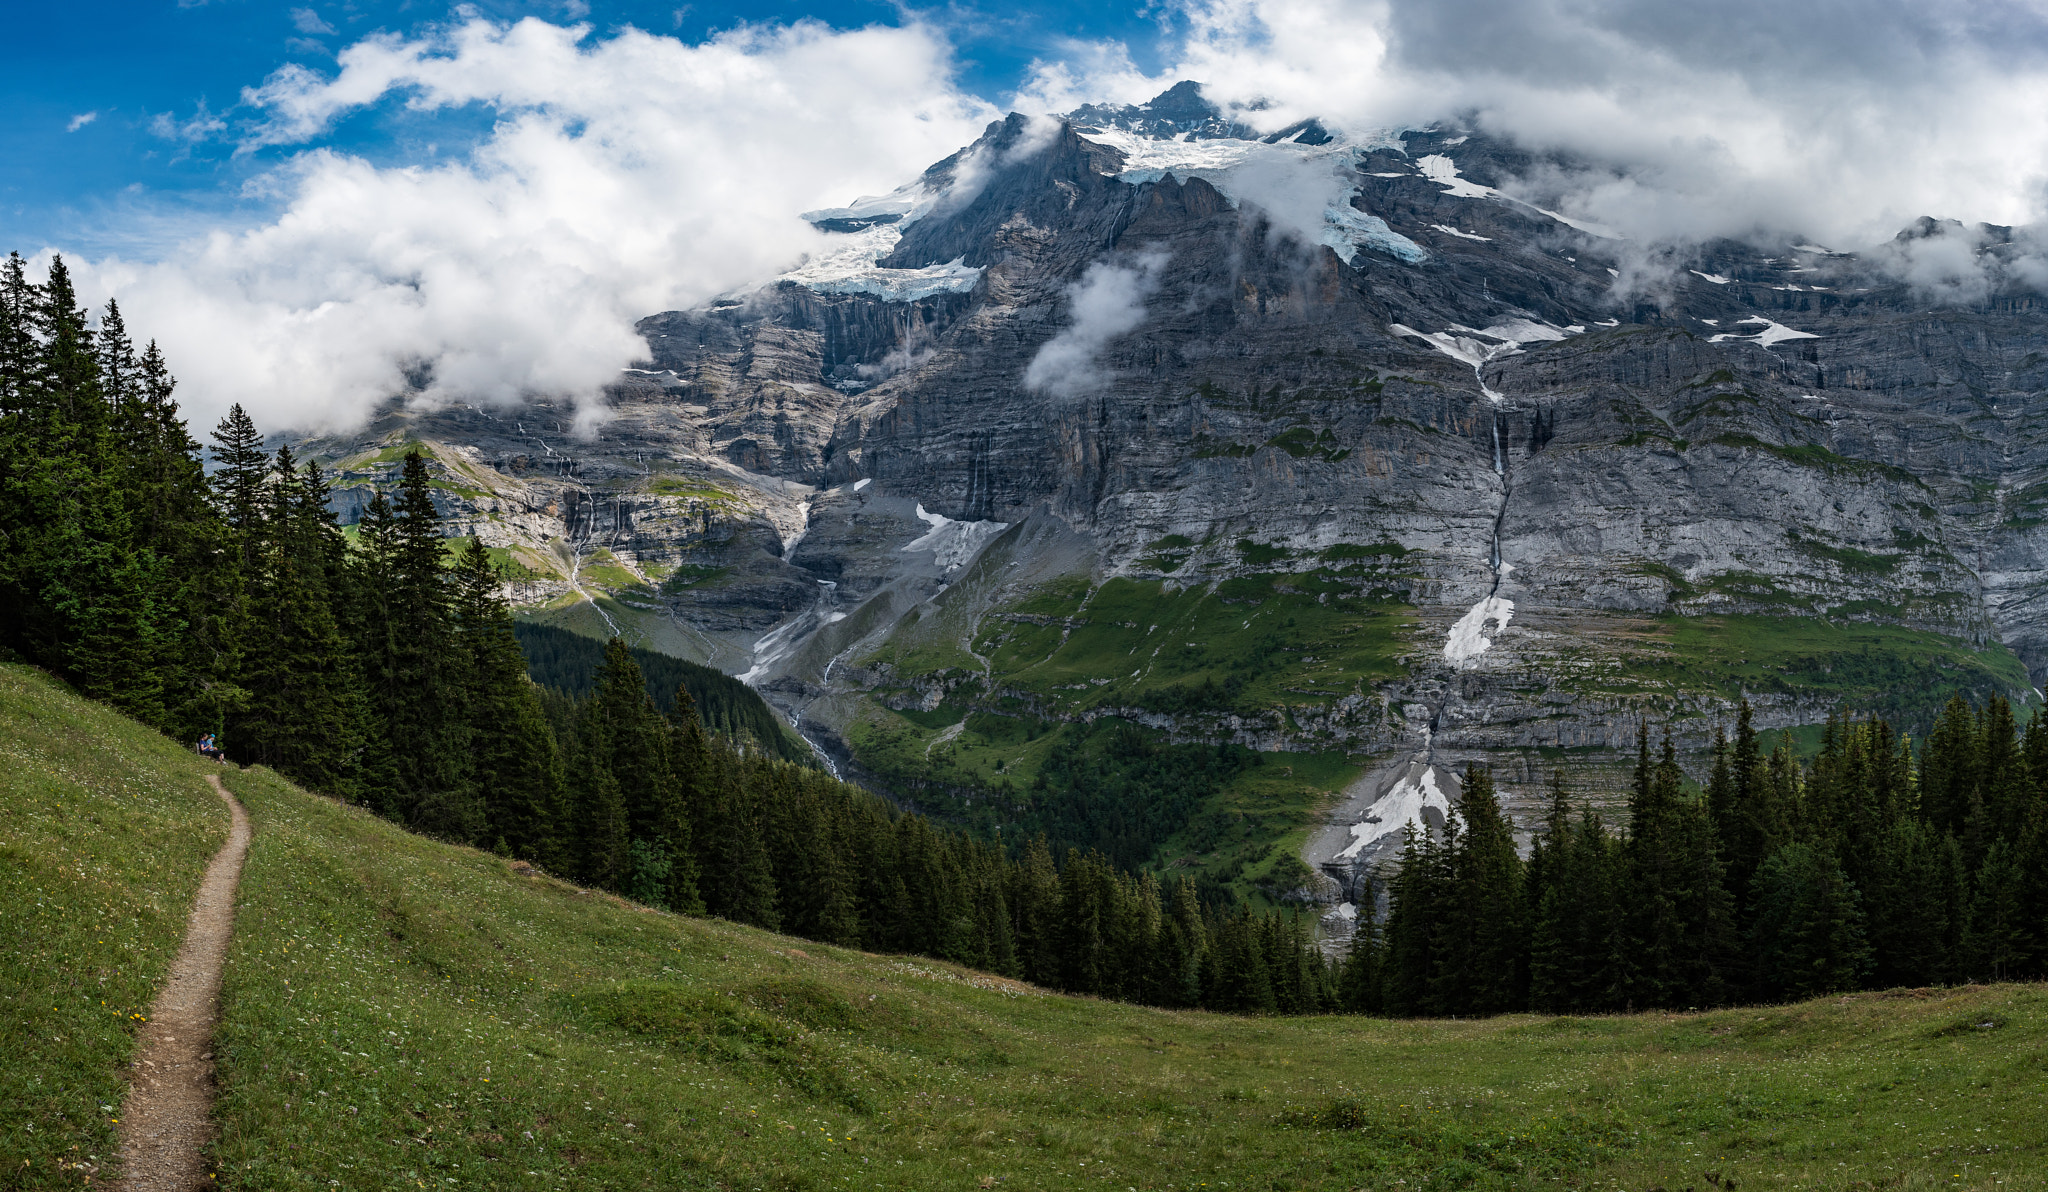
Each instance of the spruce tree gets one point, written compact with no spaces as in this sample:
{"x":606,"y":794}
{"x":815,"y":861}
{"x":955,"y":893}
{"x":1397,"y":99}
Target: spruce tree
{"x":603,"y":845}
{"x":1035,"y":902}
{"x":1909,"y":916}
{"x":240,"y":470}
{"x":516,"y":769}
{"x":1948,"y":768}
{"x":1417,"y":912}
{"x":1482,"y":966}
{"x":410,"y":663}
{"x":735,"y":874}
{"x":19,"y":304}
{"x":1358,"y":981}
{"x":1681,"y":920}
{"x":303,"y":713}
{"x":1808,"y":935}
{"x":2000,"y":939}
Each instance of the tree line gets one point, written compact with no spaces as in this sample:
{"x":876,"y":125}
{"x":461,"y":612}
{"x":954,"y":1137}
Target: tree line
{"x":1867,"y":867}
{"x":371,"y":666}
{"x":566,"y":661}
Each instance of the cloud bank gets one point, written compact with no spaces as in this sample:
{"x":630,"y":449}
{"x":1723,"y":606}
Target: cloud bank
{"x":624,"y":176}
{"x":1843,"y":121}
{"x":633,"y":173}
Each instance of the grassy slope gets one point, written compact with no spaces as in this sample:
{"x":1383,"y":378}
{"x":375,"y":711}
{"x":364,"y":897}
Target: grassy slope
{"x":105,"y":832}
{"x":1288,"y":641}
{"x":404,"y":1014}
{"x":1865,"y":667}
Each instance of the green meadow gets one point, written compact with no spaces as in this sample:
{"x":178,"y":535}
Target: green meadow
{"x":400,"y":1013}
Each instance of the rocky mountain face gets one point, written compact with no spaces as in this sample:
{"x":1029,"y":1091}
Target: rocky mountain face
{"x":1304,"y":441}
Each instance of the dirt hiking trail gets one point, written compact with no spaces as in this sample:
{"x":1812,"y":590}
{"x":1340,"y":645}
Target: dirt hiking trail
{"x":166,"y":1120}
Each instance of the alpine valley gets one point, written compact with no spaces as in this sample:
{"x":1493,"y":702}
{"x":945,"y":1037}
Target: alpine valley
{"x":1141,"y":428}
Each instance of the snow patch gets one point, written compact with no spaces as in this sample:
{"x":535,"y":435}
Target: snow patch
{"x":951,"y":542}
{"x":1451,"y":231}
{"x":1471,"y":347}
{"x":774,"y":646}
{"x":1397,"y":809}
{"x":851,"y":269}
{"x":1347,"y":229}
{"x":1773,"y":333}
{"x":1716,"y":278}
{"x":1443,"y":171}
{"x":862,"y":483}
{"x":849,"y":266}
{"x":1457,"y":347}
{"x":1468,"y":639}
{"x":902,"y":205}
{"x":1242,"y":169}
{"x":1521,"y":331}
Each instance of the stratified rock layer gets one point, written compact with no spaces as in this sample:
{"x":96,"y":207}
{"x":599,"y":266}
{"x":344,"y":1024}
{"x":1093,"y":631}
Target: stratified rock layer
{"x":797,"y":483}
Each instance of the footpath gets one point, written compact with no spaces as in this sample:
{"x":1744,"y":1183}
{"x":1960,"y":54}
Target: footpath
{"x":166,"y":1120}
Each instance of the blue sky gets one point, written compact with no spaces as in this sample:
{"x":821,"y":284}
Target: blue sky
{"x":116,"y":183}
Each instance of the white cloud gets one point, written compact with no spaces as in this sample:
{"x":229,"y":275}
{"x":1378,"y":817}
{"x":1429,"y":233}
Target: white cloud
{"x":627,"y":175}
{"x":1841,"y":121}
{"x":202,"y":125}
{"x":306,"y":21}
{"x":81,"y":120}
{"x":1107,"y":302}
{"x":633,"y":173}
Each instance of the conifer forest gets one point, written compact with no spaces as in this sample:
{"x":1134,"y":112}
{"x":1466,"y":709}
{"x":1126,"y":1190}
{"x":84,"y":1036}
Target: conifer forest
{"x":210,"y":589}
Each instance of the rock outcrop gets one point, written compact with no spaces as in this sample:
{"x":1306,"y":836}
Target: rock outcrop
{"x":1149,"y":345}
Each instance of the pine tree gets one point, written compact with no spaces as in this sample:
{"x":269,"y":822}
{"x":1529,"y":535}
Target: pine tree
{"x":2000,"y":939}
{"x":1808,"y":935}
{"x":1418,"y":908}
{"x":1681,"y":924}
{"x":517,"y":768}
{"x":599,"y":815}
{"x":1948,"y":768}
{"x":1482,"y":965}
{"x":1910,"y":926}
{"x":405,"y":639}
{"x":303,"y":714}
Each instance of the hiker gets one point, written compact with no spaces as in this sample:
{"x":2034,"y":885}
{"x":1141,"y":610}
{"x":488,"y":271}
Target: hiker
{"x":207,"y":748}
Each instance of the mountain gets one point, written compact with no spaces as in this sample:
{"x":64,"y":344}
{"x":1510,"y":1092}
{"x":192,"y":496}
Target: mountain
{"x":1311,"y":442}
